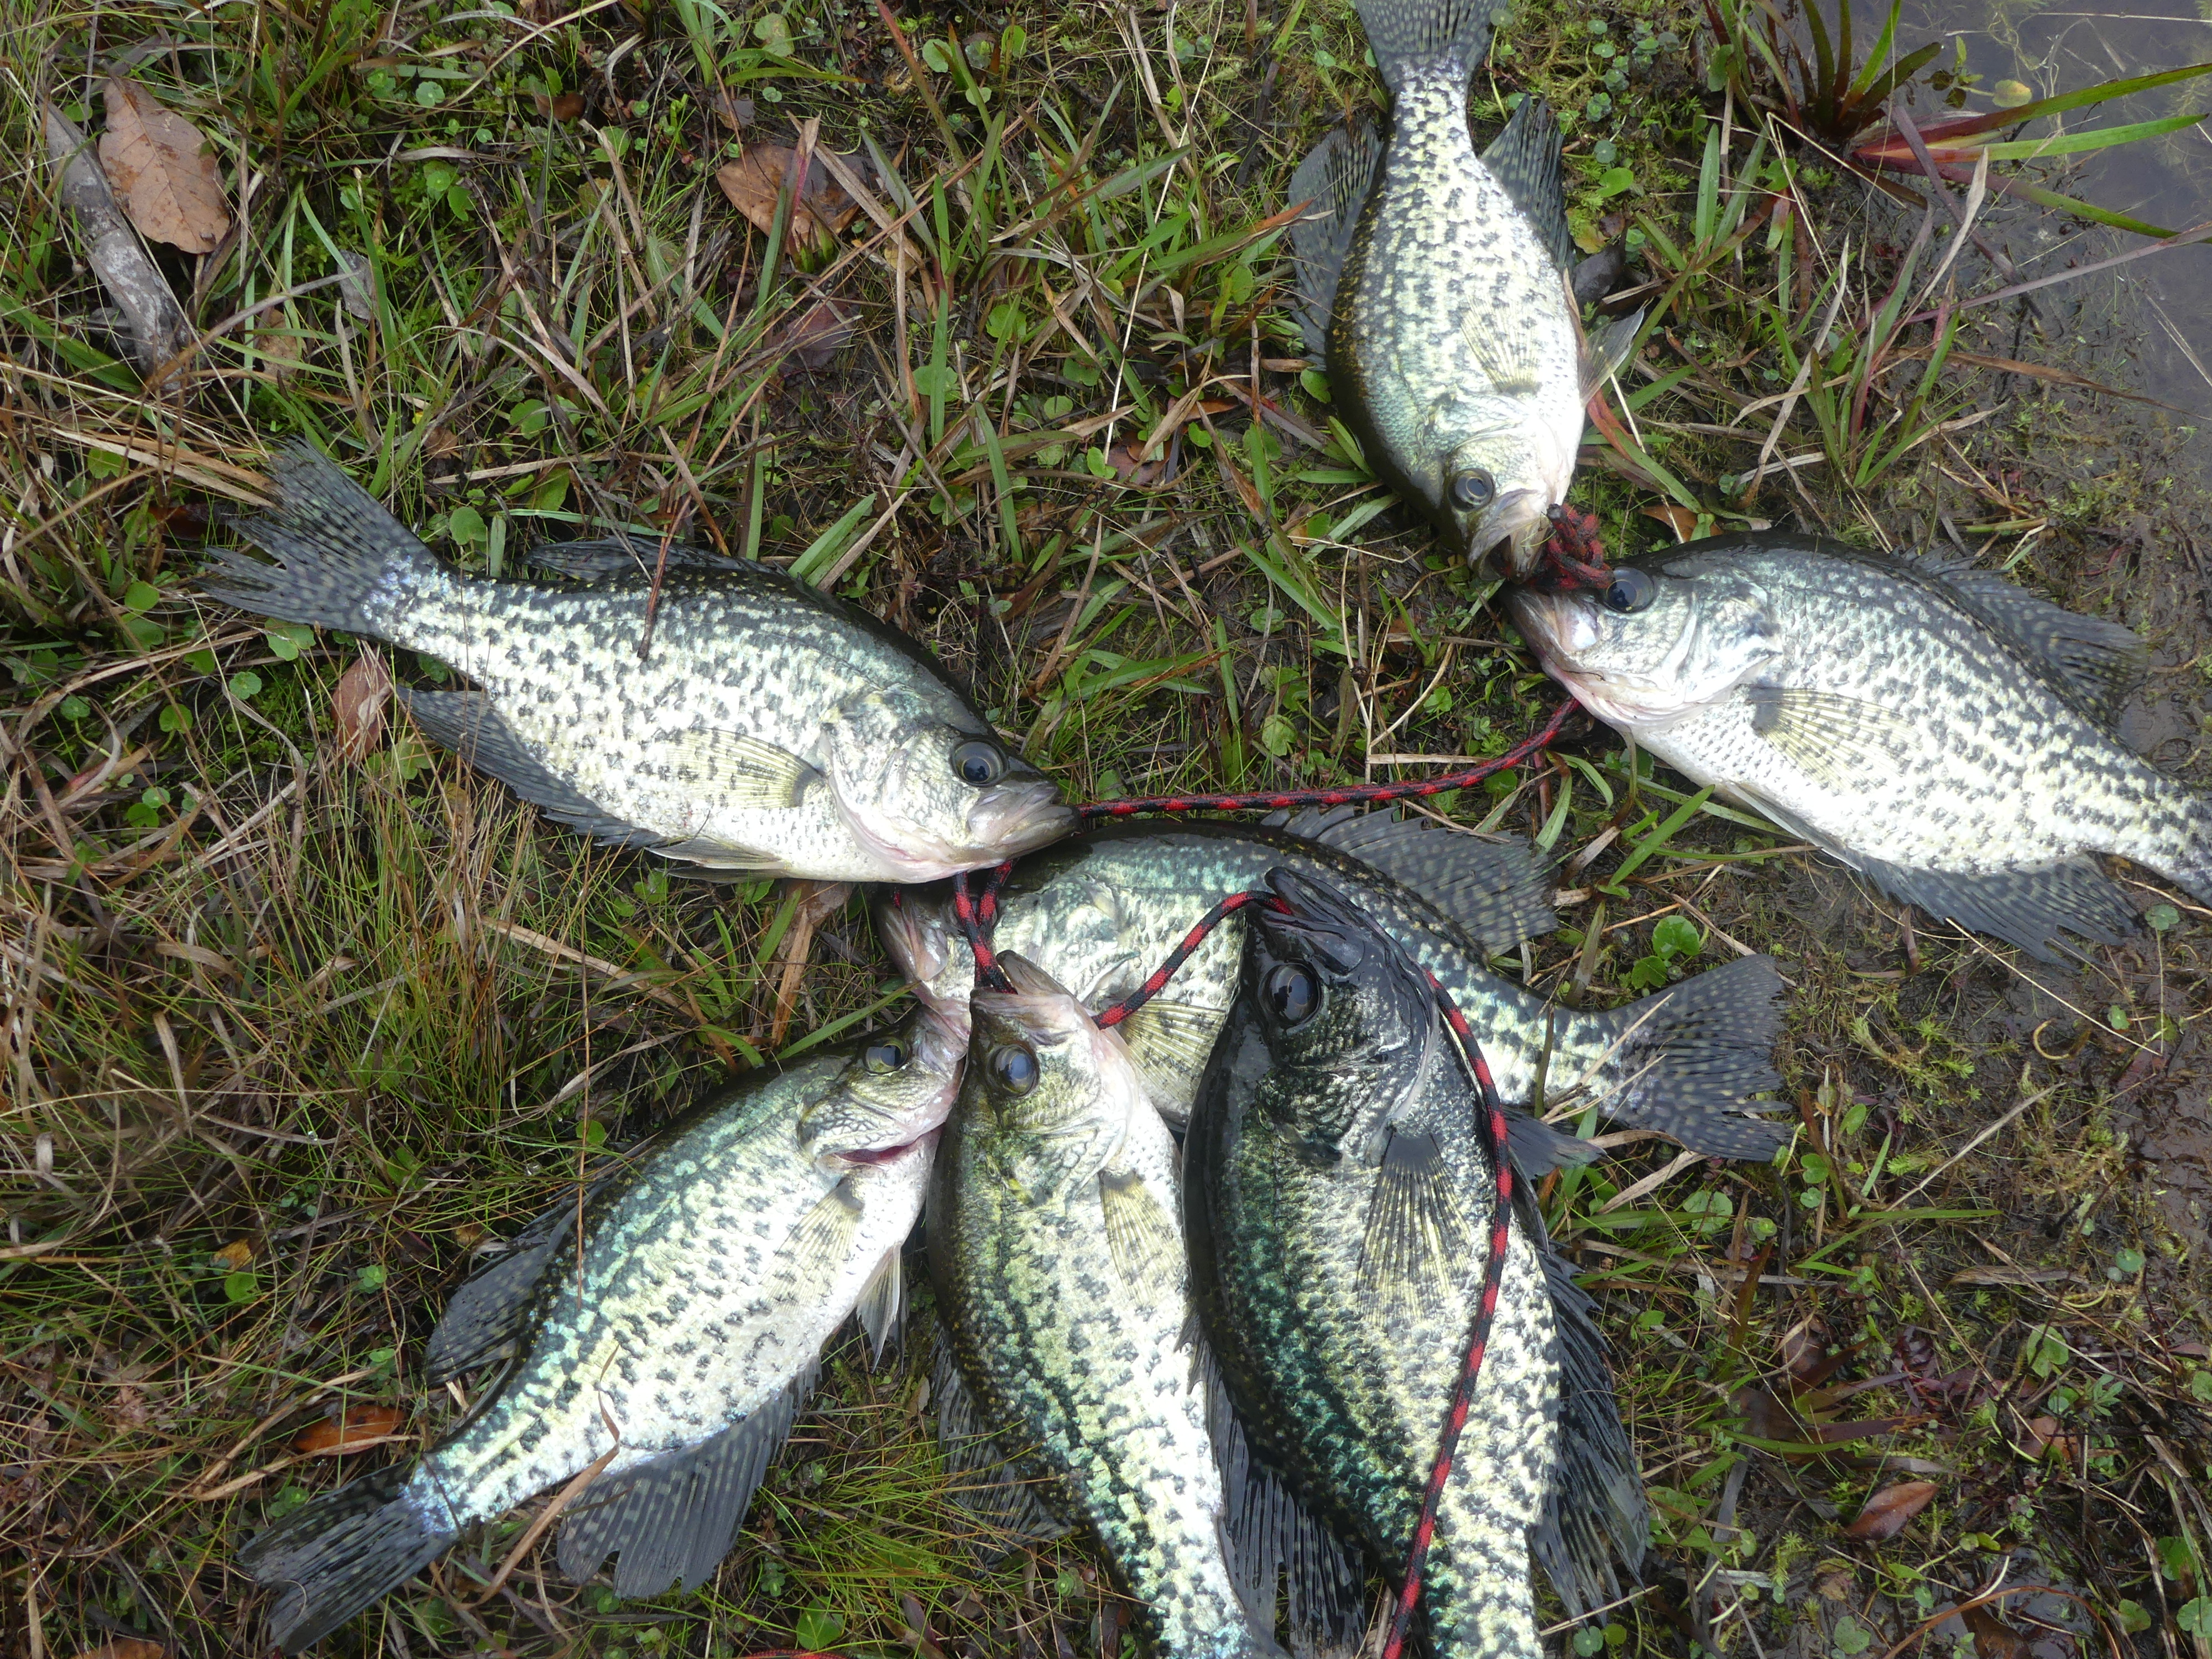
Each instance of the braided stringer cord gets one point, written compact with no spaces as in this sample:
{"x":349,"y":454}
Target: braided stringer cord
{"x":1574,"y":557}
{"x":1478,"y":1341}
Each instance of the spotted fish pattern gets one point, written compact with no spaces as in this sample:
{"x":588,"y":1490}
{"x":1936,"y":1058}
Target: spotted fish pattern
{"x":1434,"y":282}
{"x":1102,"y":911}
{"x":1055,"y":1247}
{"x":1338,"y":1201}
{"x":1941,"y":729}
{"x":768,"y":729}
{"x":668,"y":1322}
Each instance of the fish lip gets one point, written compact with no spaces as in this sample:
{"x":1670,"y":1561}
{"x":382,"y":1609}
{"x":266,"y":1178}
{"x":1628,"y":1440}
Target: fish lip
{"x":1020,"y":816}
{"x":874,"y":1158}
{"x":1519,"y":521}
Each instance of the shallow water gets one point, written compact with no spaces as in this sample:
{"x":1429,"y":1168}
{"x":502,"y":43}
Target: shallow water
{"x":2159,"y":305}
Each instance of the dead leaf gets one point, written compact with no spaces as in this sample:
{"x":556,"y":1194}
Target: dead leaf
{"x":814,"y":339}
{"x":282,"y":352}
{"x":1888,"y":1511}
{"x":351,"y":1430}
{"x":234,"y":1255}
{"x":163,"y":167}
{"x":357,"y":705}
{"x":1833,"y":1581}
{"x":125,"y":1647}
{"x":818,"y":901}
{"x":1993,"y":1637}
{"x":1680,"y":520}
{"x":562,"y":106}
{"x":821,"y":208}
{"x":357,"y":286}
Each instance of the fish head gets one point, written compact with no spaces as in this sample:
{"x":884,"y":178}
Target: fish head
{"x":1059,"y":1091}
{"x":891,"y":1097}
{"x":1346,"y":1016}
{"x":930,"y":794}
{"x":1672,"y":634}
{"x":920,"y":936}
{"x":1496,"y":487}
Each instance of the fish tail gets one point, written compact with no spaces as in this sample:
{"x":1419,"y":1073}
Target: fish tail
{"x":1409,"y":34}
{"x":339,"y":1552}
{"x":1686,"y":1061}
{"x":341,"y":552}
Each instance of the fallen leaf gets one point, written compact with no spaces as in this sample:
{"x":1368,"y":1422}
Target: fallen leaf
{"x":357,"y":286}
{"x":1993,"y":1637}
{"x":561,"y":107}
{"x":125,"y":1647}
{"x":282,"y":352}
{"x":238,"y":1254}
{"x":1833,"y":1582}
{"x":161,"y":166}
{"x":753,"y":182}
{"x":1888,"y":1511}
{"x":818,"y":901}
{"x":357,"y":705}
{"x":814,"y":339}
{"x":1680,"y":520}
{"x":1131,"y":468}
{"x":351,"y":1430}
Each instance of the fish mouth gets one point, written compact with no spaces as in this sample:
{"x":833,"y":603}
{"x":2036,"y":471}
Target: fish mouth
{"x":1019,"y":817}
{"x":1511,"y":534}
{"x":874,"y":1158}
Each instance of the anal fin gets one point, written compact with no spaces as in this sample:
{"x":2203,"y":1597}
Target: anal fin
{"x":1335,"y":178}
{"x":984,"y":1482}
{"x":467,"y":723}
{"x":2031,"y":908}
{"x":670,"y":1521}
{"x":1595,"y":1513}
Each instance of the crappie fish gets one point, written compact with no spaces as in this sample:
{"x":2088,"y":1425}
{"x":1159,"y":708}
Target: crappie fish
{"x":673,"y":1317}
{"x":1102,"y":911}
{"x":772,"y":729}
{"x":1947,"y":734}
{"x":1055,"y":1248}
{"x":1434,"y":283}
{"x":1338,"y":1200}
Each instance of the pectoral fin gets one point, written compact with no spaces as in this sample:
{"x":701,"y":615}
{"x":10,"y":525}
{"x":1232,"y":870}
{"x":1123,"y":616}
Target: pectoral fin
{"x":1170,"y":1043}
{"x":1417,"y":1250}
{"x":1837,"y":741}
{"x":823,"y":1237}
{"x":1146,"y":1242}
{"x":738,"y":770}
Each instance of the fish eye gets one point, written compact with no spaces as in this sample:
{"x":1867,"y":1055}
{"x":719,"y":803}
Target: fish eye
{"x":1632,"y":590}
{"x":978,"y":763}
{"x":1292,"y":993}
{"x":1473,"y":490}
{"x":1013,"y":1068}
{"x":886,"y":1056}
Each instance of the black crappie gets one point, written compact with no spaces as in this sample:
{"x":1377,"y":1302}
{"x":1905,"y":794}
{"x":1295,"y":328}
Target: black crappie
{"x":772,"y":731}
{"x":1338,"y":1200}
{"x":1435,"y":284}
{"x":712,"y":1269}
{"x":1102,"y":911}
{"x":1055,"y":1248}
{"x":1947,"y":733}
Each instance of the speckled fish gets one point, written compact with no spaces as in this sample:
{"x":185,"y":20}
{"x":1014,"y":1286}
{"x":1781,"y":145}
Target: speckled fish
{"x":1434,"y":283}
{"x":1338,"y":1198}
{"x":1055,"y":1248}
{"x":671,"y":1322}
{"x":770,"y":730}
{"x":1102,"y":911}
{"x":1947,"y":733}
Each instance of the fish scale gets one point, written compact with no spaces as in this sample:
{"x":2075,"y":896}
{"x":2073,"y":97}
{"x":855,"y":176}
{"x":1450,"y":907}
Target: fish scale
{"x":669,"y":1320}
{"x":768,"y":729}
{"x":1948,"y":734}
{"x":1055,"y":1248}
{"x":1338,"y":1194}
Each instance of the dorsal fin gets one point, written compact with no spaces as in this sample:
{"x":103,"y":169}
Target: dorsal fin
{"x":610,"y":558}
{"x":1525,"y":160}
{"x":1500,"y":891}
{"x":1335,"y":177}
{"x":1594,"y":1514}
{"x":984,"y":1482}
{"x":2101,"y":661}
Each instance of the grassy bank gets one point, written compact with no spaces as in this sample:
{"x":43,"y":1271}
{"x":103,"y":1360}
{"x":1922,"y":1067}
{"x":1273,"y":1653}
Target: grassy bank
{"x":299,"y":1013}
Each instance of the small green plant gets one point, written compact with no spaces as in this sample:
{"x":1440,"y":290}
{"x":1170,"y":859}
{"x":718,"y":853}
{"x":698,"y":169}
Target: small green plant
{"x":1825,"y":94}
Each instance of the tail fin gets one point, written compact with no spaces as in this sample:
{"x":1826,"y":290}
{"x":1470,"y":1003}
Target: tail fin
{"x":336,"y":544}
{"x":339,"y":1553}
{"x":1690,"y":1058}
{"x":1415,"y":33}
